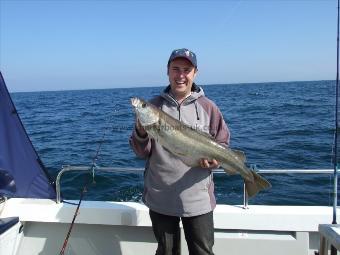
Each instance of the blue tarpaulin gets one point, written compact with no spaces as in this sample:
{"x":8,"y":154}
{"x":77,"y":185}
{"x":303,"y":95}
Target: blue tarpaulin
{"x":22,"y":174}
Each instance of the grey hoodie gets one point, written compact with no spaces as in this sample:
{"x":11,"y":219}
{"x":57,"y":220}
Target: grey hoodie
{"x":170,"y":186}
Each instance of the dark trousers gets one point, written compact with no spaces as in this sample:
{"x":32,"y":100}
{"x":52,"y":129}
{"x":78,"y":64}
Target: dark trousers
{"x":198,"y":230}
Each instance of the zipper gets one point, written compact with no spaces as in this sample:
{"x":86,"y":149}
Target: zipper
{"x":178,"y":105}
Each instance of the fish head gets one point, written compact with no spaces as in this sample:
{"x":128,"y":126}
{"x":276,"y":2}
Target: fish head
{"x":146,"y":112}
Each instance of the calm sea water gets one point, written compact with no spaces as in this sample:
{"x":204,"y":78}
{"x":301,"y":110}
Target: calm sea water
{"x":277,"y":125}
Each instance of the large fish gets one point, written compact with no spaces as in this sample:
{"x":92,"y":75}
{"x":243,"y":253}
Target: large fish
{"x":192,"y":145}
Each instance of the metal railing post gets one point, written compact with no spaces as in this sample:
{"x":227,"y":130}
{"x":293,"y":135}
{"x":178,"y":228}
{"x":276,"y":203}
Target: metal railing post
{"x":245,"y":196}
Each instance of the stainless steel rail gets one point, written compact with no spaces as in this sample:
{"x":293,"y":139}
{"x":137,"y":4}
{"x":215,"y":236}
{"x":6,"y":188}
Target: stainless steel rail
{"x":90,"y":169}
{"x":215,"y":171}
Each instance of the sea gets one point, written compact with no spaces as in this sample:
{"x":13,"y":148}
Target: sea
{"x":279,"y":125}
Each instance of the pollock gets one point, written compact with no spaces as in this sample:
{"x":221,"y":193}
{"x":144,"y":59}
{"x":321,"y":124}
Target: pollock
{"x":192,"y":145}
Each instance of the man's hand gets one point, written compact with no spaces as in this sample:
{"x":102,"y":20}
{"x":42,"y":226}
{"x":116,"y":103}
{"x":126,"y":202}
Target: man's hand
{"x":204,"y":163}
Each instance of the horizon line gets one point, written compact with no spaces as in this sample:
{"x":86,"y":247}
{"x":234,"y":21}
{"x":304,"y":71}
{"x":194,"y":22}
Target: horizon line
{"x":153,"y":86}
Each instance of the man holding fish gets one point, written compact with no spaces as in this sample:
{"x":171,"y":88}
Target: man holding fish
{"x":182,"y":136}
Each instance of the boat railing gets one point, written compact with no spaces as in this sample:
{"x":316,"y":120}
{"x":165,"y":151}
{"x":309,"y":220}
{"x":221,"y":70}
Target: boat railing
{"x":95,"y":168}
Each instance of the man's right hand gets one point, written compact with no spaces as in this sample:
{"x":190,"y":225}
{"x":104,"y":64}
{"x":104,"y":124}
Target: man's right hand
{"x":205,"y":163}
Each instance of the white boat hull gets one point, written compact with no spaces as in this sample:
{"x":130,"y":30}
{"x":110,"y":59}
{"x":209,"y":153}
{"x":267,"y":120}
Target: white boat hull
{"x":124,"y":228}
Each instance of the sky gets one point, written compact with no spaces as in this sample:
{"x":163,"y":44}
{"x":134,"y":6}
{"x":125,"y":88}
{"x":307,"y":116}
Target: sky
{"x":88,"y":44}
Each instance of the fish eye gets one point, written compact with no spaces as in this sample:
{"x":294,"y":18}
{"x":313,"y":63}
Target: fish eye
{"x":143,"y":105}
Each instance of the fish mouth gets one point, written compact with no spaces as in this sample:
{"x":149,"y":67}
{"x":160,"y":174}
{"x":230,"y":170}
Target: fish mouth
{"x":134,"y":101}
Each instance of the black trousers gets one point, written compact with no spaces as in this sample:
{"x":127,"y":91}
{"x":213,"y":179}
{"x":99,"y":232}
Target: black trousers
{"x":198,"y":230}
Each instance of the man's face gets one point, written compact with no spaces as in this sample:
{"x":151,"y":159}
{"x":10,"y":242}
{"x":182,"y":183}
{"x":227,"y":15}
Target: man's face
{"x":181,"y":76}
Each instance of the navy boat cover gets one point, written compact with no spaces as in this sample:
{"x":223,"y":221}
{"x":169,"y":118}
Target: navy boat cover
{"x":22,"y":173}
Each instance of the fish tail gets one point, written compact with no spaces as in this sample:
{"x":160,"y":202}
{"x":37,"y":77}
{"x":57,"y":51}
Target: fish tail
{"x":259,"y":183}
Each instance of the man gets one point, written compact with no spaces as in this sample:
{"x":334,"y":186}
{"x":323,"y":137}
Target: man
{"x":174,"y":191}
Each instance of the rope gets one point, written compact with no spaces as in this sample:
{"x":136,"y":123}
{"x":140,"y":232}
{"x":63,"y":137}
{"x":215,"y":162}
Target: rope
{"x":84,"y":189}
{"x":73,"y":220}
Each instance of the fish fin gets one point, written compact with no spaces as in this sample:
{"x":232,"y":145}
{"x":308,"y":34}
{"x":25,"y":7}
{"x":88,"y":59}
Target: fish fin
{"x":199,"y":131}
{"x":240,"y":155}
{"x":257,"y":185}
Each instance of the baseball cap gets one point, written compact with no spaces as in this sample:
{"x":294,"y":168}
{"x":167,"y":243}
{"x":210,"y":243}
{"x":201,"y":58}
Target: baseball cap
{"x":183,"y":53}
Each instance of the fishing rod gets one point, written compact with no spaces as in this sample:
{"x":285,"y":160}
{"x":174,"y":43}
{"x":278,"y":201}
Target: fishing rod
{"x":335,"y":158}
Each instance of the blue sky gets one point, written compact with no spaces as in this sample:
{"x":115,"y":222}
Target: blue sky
{"x":61,"y":45}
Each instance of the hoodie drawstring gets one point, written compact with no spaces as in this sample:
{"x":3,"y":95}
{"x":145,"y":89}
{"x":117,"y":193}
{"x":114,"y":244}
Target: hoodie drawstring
{"x":198,"y":118}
